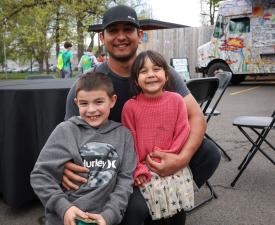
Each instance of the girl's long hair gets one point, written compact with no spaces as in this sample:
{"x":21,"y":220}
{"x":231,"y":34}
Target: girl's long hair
{"x":157,"y":59}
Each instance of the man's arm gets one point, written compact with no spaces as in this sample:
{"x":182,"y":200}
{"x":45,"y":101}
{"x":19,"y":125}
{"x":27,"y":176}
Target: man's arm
{"x":71,"y":107}
{"x":197,"y":129}
{"x":171,"y":163}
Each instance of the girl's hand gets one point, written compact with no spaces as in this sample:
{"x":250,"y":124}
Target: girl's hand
{"x":71,"y":214}
{"x":99,"y":219}
{"x":70,"y":176}
{"x":140,"y":180}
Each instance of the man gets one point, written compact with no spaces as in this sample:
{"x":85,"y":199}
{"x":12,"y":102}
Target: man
{"x":67,"y":56}
{"x":121,"y":36}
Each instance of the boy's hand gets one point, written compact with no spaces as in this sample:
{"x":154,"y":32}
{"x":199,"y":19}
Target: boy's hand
{"x":70,"y":175}
{"x":141,"y":180}
{"x":99,"y":219}
{"x":71,"y":214}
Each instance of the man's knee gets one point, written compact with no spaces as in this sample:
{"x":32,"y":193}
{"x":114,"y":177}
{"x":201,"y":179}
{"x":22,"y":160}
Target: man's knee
{"x":205,"y":162}
{"x":137,"y":210}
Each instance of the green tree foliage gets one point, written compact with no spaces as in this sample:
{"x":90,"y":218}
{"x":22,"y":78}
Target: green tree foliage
{"x":31,"y":28}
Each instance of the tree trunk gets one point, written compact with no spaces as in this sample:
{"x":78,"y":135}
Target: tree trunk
{"x":80,"y":40}
{"x":47,"y":63}
{"x":40,"y":63}
{"x":57,"y":35}
{"x":92,"y":43}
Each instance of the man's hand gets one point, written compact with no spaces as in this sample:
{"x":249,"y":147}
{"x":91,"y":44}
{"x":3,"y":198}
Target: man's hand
{"x":70,"y":175}
{"x":99,"y":219}
{"x":169,"y":163}
{"x":71,"y":214}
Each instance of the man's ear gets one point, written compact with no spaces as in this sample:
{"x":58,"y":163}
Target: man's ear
{"x":113,"y":101}
{"x":140,"y":35}
{"x":101,"y":37}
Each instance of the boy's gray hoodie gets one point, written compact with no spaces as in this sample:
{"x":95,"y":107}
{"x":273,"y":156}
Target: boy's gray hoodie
{"x":109,"y":154}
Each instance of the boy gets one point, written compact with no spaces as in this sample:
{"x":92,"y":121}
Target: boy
{"x":91,"y":140}
{"x":66,"y":71}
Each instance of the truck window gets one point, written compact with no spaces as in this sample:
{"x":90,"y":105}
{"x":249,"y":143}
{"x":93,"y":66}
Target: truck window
{"x":239,"y":25}
{"x":218,"y":30}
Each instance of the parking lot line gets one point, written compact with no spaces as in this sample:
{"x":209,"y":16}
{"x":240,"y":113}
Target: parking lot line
{"x":245,"y":90}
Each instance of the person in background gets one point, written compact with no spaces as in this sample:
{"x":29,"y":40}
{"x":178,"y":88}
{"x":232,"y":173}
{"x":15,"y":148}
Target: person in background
{"x":104,"y":147}
{"x":87,"y":62}
{"x":158,"y":120}
{"x":102,"y":57}
{"x":67,"y":56}
{"x":121,"y":36}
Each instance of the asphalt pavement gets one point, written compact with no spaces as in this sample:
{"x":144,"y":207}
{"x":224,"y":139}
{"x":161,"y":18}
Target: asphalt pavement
{"x":250,"y":202}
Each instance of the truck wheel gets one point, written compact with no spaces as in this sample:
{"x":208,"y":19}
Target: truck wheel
{"x":217,"y":67}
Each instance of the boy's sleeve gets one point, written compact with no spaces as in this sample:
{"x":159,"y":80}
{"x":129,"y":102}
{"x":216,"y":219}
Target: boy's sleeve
{"x":118,"y":200}
{"x":48,"y":170}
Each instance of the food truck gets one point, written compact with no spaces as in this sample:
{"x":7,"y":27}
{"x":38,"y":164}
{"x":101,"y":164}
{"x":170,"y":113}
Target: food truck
{"x":243,"y":40}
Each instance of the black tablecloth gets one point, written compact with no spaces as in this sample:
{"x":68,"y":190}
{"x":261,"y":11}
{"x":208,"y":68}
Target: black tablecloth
{"x":29,"y":111}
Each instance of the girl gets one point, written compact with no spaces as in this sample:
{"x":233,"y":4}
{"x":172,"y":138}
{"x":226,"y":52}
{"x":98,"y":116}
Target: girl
{"x":158,"y":120}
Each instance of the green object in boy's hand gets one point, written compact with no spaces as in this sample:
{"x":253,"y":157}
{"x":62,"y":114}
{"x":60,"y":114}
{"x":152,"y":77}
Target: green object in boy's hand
{"x":81,"y":221}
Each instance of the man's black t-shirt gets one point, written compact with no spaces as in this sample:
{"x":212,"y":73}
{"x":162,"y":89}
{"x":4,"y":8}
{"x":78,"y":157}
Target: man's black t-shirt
{"x":122,"y":90}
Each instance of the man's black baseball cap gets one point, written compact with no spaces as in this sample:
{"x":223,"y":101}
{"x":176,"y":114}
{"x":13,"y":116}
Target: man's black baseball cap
{"x":120,"y":13}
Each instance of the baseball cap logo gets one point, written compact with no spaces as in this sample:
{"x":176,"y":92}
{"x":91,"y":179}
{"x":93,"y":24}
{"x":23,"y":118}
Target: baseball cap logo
{"x":120,"y":13}
{"x":132,"y":18}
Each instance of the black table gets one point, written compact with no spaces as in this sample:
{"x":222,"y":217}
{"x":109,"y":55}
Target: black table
{"x":29,"y":111}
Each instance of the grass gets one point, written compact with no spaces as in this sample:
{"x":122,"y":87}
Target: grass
{"x":22,"y":76}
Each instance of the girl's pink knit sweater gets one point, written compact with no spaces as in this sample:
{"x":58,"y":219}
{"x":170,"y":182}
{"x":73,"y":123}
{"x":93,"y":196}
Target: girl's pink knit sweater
{"x":156,"y":123}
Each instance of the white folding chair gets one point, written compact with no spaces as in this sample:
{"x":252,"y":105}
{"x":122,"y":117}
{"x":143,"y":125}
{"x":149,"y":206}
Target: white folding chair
{"x":261,"y":126}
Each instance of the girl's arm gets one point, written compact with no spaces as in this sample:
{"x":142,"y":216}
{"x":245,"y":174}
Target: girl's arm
{"x":128,"y":120}
{"x":171,"y":163}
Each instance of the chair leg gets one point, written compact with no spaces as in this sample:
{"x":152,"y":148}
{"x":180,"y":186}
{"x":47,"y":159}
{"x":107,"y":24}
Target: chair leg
{"x":267,"y":142}
{"x":260,"y":138}
{"x":256,"y":146}
{"x":212,"y":195}
{"x":247,"y":156}
{"x":223,"y":151}
{"x":244,"y":165}
{"x":250,"y":152}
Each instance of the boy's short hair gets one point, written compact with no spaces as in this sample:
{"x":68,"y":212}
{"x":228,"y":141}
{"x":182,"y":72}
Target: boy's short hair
{"x":95,"y":81}
{"x":67,"y":44}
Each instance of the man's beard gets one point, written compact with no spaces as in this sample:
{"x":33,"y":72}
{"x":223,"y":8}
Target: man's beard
{"x":123,"y":58}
